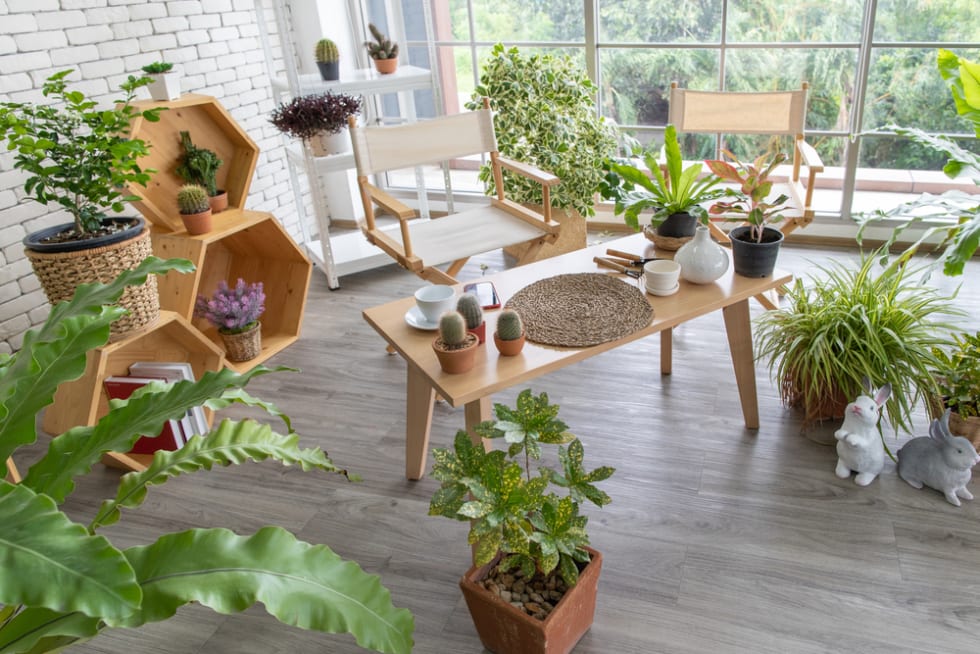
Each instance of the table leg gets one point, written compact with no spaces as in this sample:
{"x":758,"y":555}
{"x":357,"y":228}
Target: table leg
{"x":666,"y":351}
{"x":476,"y":412}
{"x":419,"y":398}
{"x":12,"y":475}
{"x":739,"y":330}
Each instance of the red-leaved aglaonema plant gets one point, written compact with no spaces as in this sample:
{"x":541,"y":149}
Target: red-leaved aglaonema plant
{"x":750,"y":203}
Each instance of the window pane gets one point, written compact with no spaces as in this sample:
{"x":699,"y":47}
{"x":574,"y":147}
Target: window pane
{"x":828,"y":21}
{"x":640,"y":21}
{"x":508,"y":21}
{"x":932,"y":20}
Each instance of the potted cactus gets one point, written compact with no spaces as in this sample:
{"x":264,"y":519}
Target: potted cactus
{"x":383,"y":51}
{"x":195,"y":211}
{"x":165,"y":81}
{"x":455,"y":347}
{"x":509,"y":336}
{"x":469,"y":306}
{"x":200,"y":166}
{"x":328,"y":60}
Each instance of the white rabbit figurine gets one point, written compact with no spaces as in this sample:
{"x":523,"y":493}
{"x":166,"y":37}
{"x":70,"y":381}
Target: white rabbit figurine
{"x":859,"y":446}
{"x":940,"y":460}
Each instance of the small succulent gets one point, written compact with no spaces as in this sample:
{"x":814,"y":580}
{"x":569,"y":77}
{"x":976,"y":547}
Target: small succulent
{"x":192,"y":198}
{"x":326,"y":51}
{"x":469,"y":306}
{"x":157,"y":67}
{"x":382,"y":47}
{"x":452,"y":330}
{"x":509,"y":325}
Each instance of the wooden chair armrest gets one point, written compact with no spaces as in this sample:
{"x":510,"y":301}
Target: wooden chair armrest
{"x":527,"y":215}
{"x":811,"y":159}
{"x":527,"y":170}
{"x":393,"y":206}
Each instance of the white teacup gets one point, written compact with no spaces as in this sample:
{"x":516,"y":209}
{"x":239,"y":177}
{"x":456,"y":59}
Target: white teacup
{"x":434,"y":300}
{"x":661,"y":276}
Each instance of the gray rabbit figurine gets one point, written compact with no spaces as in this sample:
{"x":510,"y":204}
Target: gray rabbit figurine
{"x":940,"y":461}
{"x":859,"y":446}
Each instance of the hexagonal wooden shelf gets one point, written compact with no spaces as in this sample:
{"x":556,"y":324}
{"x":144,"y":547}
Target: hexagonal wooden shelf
{"x":211,"y":127}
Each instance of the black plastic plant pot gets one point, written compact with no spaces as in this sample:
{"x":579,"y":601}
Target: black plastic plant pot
{"x":39,"y":241}
{"x":678,"y":225}
{"x":329,"y":70}
{"x":752,"y":259}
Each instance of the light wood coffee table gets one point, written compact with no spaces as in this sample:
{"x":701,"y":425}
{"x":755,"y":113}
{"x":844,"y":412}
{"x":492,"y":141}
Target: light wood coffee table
{"x":493,"y":373}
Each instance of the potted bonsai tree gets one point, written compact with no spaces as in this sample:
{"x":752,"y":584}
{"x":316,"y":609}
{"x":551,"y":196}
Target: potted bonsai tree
{"x":853,"y":322}
{"x":382,"y":50}
{"x":528,"y":540}
{"x":958,"y":379}
{"x":164,"y":80}
{"x":235,"y":312}
{"x":755,"y":246}
{"x":79,"y":156}
{"x":319,"y":120}
{"x":195,"y":211}
{"x":674,"y":197}
{"x":200,"y":166}
{"x":328,"y":60}
{"x":544,"y":115}
{"x":63,"y":582}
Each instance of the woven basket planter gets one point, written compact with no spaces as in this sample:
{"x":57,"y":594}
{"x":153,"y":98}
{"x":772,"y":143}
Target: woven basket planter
{"x":243,"y":346}
{"x":61,"y":272}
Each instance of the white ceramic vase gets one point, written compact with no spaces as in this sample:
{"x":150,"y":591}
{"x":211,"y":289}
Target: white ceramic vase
{"x":327,"y":143}
{"x":702,"y":260}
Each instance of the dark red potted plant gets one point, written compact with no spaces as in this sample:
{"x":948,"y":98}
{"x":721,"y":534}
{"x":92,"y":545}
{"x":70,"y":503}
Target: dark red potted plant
{"x":321,"y":120}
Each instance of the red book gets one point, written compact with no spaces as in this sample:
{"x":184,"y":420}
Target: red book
{"x":120,"y":388}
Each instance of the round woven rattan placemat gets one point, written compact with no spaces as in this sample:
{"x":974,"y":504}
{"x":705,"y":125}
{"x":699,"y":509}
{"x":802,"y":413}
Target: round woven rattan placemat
{"x":580,"y":309}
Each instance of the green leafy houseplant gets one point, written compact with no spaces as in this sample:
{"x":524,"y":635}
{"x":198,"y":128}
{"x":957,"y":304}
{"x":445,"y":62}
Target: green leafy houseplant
{"x":853,"y":322}
{"x":681,"y":190}
{"x":62,"y":583}
{"x":750,"y":198}
{"x":545,"y":115}
{"x":198,"y":165}
{"x":158,"y":68}
{"x":958,"y":375}
{"x":510,"y":509}
{"x":956,"y":214}
{"x":77,"y":155}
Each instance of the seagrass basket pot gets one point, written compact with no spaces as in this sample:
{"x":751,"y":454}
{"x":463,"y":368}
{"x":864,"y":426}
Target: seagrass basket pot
{"x":243,"y":346}
{"x":60,"y":273}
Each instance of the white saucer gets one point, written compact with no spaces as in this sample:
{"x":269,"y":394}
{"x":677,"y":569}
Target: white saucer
{"x":669,"y":291}
{"x":415,"y":318}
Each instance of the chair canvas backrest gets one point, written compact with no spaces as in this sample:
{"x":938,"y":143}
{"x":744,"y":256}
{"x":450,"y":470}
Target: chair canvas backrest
{"x":777,"y":112}
{"x":379,"y":149}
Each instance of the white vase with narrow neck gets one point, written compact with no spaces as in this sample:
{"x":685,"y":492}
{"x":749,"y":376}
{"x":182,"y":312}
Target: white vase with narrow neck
{"x":702,"y":260}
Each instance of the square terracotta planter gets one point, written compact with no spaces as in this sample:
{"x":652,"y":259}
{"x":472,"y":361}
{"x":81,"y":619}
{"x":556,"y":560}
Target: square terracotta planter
{"x":504,"y":629}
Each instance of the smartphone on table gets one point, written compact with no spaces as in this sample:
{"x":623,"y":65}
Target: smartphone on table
{"x":485,"y":293}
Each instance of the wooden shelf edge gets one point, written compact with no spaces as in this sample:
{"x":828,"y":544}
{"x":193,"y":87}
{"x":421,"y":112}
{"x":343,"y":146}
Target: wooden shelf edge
{"x":271,"y":345}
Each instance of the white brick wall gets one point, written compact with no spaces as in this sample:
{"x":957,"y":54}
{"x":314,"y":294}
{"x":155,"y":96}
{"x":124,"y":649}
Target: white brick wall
{"x":104,"y":40}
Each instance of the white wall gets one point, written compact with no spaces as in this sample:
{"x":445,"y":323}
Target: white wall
{"x":214,"y":42}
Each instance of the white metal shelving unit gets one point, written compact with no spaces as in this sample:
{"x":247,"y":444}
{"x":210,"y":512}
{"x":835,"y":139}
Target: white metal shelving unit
{"x":349,"y":252}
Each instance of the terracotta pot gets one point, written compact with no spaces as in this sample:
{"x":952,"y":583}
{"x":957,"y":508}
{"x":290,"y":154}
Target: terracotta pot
{"x":386,"y":66}
{"x":457,"y":361}
{"x":197,"y":223}
{"x":218,"y":202}
{"x":480,"y":332}
{"x":504,"y":629}
{"x":509,"y":348}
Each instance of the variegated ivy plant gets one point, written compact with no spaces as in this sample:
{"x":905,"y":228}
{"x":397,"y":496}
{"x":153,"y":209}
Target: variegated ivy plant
{"x":511,"y":510}
{"x":61,"y":583}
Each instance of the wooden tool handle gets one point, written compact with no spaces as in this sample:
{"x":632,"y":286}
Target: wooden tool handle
{"x":624,"y":255}
{"x":609,"y":264}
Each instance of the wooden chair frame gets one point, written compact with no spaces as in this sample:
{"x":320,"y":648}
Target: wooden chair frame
{"x":503,"y":223}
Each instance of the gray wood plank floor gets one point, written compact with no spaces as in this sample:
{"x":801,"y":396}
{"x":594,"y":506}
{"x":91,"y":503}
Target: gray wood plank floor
{"x":718,"y":539}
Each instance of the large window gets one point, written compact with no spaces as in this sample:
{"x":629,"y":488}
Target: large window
{"x":869,"y":64}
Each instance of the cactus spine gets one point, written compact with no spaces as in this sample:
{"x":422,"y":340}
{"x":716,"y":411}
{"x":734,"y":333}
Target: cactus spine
{"x":192,"y":198}
{"x":452,"y":330}
{"x":381,"y":47}
{"x":509,"y":325}
{"x":469,"y":306}
{"x":326,"y":51}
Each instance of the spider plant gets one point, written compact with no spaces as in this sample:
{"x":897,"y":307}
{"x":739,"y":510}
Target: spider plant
{"x":852,"y":322}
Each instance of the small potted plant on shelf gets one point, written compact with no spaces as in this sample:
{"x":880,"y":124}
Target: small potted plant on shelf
{"x":674,"y":194}
{"x":200,"y":166}
{"x":958,"y":378}
{"x":455,"y":347}
{"x":80,"y":156}
{"x":235,"y":312}
{"x":328,"y":60}
{"x":320,"y":120}
{"x":528,"y":540}
{"x":755,"y":246}
{"x":469,"y":306}
{"x":382,"y":50}
{"x":195,"y":211}
{"x":509,"y":335}
{"x":165,"y":81}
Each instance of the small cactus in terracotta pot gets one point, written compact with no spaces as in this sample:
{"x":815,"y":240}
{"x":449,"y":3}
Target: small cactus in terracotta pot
{"x":455,"y":347}
{"x":509,"y":337}
{"x":469,"y":305}
{"x":195,"y":209}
